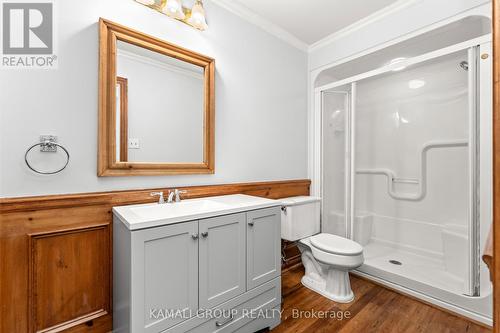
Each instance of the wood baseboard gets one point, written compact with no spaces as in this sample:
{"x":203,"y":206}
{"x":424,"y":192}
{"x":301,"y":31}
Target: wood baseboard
{"x":45,"y":240}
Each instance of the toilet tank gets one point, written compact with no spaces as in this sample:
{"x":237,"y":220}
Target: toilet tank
{"x":300,"y":217}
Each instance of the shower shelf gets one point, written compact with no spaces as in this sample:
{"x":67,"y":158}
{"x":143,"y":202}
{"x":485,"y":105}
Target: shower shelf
{"x":422,"y":180}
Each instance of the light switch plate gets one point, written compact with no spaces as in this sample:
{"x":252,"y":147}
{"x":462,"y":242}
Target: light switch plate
{"x":133,"y":143}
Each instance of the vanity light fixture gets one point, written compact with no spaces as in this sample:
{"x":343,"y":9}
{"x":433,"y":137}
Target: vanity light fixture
{"x":194,"y":16}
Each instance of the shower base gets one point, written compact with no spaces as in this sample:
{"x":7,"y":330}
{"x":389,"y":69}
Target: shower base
{"x":429,"y":271}
{"x":425,"y":278}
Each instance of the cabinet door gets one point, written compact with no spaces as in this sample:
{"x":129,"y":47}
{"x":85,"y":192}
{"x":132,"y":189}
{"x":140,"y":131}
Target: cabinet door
{"x":263,"y":246}
{"x":222,"y":259}
{"x":164,"y":276}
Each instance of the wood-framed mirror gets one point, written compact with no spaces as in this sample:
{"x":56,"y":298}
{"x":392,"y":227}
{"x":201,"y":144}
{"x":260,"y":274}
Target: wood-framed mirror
{"x":156,"y":106}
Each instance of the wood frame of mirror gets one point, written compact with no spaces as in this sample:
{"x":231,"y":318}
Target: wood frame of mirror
{"x":109,"y":34}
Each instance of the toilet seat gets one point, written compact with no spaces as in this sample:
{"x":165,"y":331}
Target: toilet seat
{"x":336,"y":245}
{"x":340,"y":261}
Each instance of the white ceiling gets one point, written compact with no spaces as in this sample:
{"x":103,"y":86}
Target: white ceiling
{"x":309,"y":21}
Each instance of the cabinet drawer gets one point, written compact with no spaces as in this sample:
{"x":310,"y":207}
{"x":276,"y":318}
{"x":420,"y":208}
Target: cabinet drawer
{"x":244,"y":309}
{"x":259,"y":324}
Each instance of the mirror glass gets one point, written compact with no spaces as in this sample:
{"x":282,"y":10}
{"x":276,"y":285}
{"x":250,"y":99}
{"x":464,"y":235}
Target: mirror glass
{"x":159,"y":107}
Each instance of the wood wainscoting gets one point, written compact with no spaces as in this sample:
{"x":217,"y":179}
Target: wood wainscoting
{"x":56,"y":254}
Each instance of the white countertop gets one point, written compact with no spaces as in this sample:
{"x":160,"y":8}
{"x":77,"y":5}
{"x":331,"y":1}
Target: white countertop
{"x":153,"y":214}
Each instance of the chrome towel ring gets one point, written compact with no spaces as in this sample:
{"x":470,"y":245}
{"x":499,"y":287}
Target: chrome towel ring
{"x":46,"y":146}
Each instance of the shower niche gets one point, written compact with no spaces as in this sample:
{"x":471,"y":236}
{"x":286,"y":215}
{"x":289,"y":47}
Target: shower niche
{"x":405,"y":159}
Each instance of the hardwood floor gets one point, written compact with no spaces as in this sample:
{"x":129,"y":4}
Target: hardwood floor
{"x":375,"y":309}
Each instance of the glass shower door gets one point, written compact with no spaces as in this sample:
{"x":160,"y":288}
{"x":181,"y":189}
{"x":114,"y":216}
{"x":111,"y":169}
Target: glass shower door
{"x":413,"y":171}
{"x":335,"y":122}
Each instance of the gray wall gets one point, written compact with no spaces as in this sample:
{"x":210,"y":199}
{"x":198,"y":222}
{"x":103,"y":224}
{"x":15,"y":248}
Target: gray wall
{"x":260,"y":101}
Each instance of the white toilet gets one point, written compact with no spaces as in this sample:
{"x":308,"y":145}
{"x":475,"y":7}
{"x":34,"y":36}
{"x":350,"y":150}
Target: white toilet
{"x":327,"y":258}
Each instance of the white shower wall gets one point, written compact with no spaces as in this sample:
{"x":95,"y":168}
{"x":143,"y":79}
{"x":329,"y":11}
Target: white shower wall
{"x":393,"y":123}
{"x":397,"y":115}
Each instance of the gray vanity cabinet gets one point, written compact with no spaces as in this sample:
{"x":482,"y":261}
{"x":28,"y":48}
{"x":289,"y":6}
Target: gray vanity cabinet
{"x":263,"y":238}
{"x":164,"y":275}
{"x":229,"y":262}
{"x":222,"y":259}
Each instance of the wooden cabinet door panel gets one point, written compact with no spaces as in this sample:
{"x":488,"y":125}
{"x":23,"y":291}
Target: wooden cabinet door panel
{"x":68,"y":277}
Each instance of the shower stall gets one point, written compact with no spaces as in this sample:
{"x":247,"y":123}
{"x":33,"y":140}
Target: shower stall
{"x":406,"y":164}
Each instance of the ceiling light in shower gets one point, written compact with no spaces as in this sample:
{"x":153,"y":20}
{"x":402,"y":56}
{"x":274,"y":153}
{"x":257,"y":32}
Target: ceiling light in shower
{"x":415,"y":84}
{"x":397,"y":64}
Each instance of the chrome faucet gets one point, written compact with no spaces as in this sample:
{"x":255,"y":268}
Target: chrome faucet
{"x":161,"y":200}
{"x":172,"y":195}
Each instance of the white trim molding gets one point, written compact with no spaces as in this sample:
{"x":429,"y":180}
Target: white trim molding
{"x":277,"y":31}
{"x":274,"y":29}
{"x":376,"y":16}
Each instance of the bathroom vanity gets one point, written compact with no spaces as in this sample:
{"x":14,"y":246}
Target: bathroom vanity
{"x":200,"y":265}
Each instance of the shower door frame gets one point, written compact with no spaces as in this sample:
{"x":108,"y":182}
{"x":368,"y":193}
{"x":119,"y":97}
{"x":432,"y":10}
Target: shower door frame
{"x":472,"y":46}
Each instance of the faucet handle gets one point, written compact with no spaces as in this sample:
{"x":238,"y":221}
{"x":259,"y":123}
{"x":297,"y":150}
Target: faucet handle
{"x":170,"y":198}
{"x":160,"y":194}
{"x":178,"y":194}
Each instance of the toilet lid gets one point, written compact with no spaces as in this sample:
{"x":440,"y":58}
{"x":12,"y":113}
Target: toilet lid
{"x":336,"y":244}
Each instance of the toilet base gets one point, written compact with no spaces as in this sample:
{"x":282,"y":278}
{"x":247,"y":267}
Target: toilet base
{"x":337,"y":288}
{"x":330,"y":281}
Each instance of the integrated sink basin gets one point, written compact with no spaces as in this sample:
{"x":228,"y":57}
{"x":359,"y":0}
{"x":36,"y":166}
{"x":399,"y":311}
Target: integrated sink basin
{"x":150,"y":215}
{"x":176,"y":209}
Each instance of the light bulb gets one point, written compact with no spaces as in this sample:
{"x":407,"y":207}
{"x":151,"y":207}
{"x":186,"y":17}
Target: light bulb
{"x":173,"y":8}
{"x":197,"y":18}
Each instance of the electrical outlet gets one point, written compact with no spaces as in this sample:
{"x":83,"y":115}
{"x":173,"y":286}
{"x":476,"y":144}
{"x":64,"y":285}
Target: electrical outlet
{"x":133,"y":143}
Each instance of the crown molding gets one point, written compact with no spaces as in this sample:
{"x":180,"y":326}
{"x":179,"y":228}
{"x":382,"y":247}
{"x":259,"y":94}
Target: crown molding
{"x":268,"y":26}
{"x":378,"y":15}
{"x":250,"y":16}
